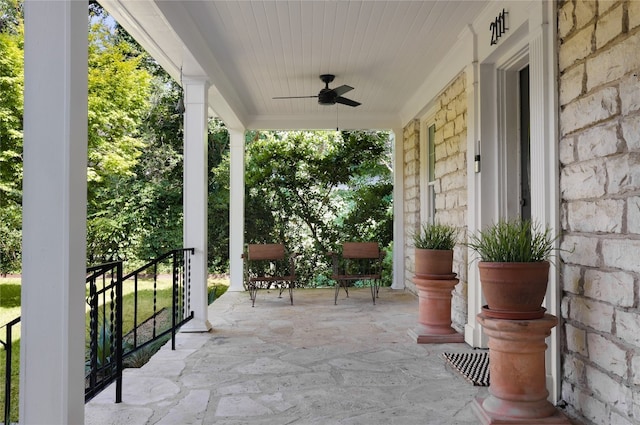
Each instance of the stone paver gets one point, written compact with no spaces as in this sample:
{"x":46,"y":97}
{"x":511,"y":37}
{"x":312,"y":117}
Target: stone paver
{"x":310,"y":363}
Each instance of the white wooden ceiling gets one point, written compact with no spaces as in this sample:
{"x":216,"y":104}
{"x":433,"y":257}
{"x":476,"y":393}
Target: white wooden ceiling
{"x":252,"y":51}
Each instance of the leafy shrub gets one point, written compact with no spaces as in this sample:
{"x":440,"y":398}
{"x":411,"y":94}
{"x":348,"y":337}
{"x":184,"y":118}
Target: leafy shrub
{"x":436,"y":236}
{"x":513,"y":241}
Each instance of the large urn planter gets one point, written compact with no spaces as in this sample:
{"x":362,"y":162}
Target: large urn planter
{"x":514,"y":273}
{"x":435,"y":281}
{"x":517,"y":391}
{"x":434,"y":310}
{"x":514,"y":290}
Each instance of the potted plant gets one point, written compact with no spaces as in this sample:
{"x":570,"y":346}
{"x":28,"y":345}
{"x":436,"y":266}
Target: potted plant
{"x":435,"y":281}
{"x":514,"y":267}
{"x":434,"y":245}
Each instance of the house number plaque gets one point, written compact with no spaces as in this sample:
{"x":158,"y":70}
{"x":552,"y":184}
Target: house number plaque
{"x":498,"y":27}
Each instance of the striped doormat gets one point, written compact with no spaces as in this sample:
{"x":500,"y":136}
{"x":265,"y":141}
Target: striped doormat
{"x":473,"y":366}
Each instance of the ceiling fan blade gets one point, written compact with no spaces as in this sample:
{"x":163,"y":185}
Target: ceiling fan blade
{"x":339,"y":91}
{"x":346,"y":101}
{"x":294,"y":97}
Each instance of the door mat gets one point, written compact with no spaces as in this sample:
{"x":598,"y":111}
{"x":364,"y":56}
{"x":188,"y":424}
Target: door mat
{"x":474,"y":367}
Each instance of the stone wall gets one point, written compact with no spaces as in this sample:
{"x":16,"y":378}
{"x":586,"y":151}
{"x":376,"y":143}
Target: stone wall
{"x":451,"y":182}
{"x":411,"y":149}
{"x":450,"y":188}
{"x":599,"y":147}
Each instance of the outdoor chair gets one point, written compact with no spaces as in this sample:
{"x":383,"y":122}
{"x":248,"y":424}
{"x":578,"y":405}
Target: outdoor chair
{"x":358,"y":261}
{"x":266,"y":265}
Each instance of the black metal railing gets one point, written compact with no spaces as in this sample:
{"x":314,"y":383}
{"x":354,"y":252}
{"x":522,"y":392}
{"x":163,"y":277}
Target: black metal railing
{"x":8,"y":348}
{"x":103,"y":362}
{"x":179,"y":262}
{"x":108,"y":346}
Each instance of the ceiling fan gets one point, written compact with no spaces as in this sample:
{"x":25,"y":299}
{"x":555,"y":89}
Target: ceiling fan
{"x":329,"y":96}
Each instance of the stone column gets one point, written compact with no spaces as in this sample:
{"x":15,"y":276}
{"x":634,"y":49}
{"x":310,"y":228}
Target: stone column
{"x":517,"y":389}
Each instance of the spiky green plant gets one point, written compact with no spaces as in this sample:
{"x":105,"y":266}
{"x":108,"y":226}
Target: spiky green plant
{"x":513,"y":241}
{"x":436,"y":236}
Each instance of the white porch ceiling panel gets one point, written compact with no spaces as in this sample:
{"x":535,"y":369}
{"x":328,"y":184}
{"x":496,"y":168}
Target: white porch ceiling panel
{"x":252,"y":51}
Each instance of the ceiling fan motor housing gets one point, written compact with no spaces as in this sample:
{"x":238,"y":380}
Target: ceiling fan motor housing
{"x":327,"y":97}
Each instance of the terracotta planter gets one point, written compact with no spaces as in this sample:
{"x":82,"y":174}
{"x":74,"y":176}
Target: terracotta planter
{"x":517,"y":391}
{"x":433,"y":262}
{"x":434,"y":311}
{"x":514,"y":290}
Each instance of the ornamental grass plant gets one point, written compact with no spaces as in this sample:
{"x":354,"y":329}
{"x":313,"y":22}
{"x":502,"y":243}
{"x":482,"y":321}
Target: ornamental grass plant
{"x":436,"y":236}
{"x":513,"y":241}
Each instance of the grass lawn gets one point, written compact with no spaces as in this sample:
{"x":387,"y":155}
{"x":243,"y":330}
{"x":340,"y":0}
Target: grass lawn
{"x":10,"y":309}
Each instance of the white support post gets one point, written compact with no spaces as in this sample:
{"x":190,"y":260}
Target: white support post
{"x":398,"y":210}
{"x":236,"y":210}
{"x":472,"y":330}
{"x":544,"y":160}
{"x":54,"y":213}
{"x":196,"y":196}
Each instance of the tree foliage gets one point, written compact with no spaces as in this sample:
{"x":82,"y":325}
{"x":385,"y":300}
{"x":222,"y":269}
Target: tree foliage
{"x":310,"y":190}
{"x":315,"y":190}
{"x":11,"y":16}
{"x":11,"y":113}
{"x":118,"y":92}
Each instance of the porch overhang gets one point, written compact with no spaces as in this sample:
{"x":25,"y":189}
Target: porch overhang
{"x":250,"y":52}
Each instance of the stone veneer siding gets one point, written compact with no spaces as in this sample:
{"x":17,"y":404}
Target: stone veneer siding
{"x":599,"y":149}
{"x":450,"y":188}
{"x":411,"y":146}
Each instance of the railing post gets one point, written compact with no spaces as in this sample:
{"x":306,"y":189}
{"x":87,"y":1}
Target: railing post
{"x":119,"y":306}
{"x":174,"y":301}
{"x":7,"y":374}
{"x":93,"y":333}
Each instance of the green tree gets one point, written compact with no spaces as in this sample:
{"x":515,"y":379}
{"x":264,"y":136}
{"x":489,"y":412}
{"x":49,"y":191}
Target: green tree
{"x":118,"y":90}
{"x":218,"y":200}
{"x":11,"y":113}
{"x":313,"y":190}
{"x":11,"y":16}
{"x":158,"y":181}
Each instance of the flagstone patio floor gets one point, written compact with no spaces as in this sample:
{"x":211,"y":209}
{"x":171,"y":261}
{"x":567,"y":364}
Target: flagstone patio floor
{"x":310,"y":363}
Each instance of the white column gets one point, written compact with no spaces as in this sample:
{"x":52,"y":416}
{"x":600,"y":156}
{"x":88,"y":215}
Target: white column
{"x":472,"y":330}
{"x":236,"y":210}
{"x":195,"y":196}
{"x":544,"y":163}
{"x":398,"y":210}
{"x":482,"y":193}
{"x":54,"y":213}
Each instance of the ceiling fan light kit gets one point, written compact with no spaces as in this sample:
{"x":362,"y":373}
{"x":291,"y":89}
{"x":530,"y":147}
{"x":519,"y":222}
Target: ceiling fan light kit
{"x":328,"y":96}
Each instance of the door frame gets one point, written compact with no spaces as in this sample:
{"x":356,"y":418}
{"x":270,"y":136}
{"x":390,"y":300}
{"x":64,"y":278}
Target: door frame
{"x":508,"y":124}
